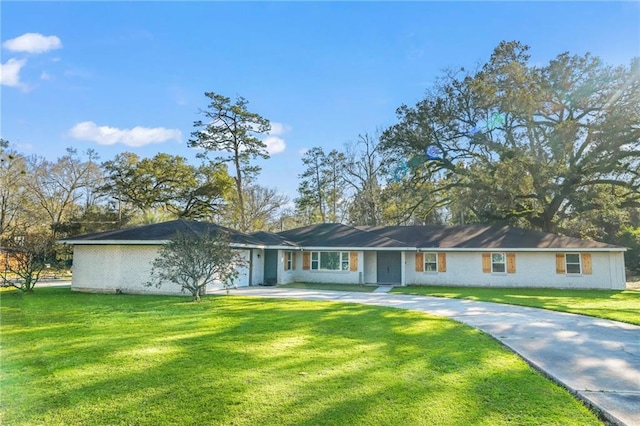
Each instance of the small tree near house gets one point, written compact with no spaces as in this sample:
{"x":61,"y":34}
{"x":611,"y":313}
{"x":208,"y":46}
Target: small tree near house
{"x":23,"y":259}
{"x":195,"y":260}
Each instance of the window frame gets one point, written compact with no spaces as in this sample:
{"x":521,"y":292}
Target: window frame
{"x":288,"y":260}
{"x":567,"y":263}
{"x":343,"y":262}
{"x":503,"y":263}
{"x":434,"y":262}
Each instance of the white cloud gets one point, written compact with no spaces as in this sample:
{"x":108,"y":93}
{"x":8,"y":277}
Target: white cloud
{"x":10,"y":73}
{"x":136,"y":137}
{"x":45,"y":76}
{"x":33,"y":43}
{"x":275,"y":145}
{"x":279,"y":128}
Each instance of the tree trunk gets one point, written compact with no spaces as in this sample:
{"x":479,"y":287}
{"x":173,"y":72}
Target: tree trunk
{"x":238,"y":180}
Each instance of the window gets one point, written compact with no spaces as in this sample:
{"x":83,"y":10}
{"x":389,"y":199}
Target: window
{"x":288,"y":261}
{"x":430,"y":262}
{"x":330,"y":260}
{"x":498,"y":262}
{"x":572,"y":261}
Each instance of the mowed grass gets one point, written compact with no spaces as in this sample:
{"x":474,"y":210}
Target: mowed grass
{"x":72,"y":358}
{"x":329,"y":286}
{"x":615,"y":305}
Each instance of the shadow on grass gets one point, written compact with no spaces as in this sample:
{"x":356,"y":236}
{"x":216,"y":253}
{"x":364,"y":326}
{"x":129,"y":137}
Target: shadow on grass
{"x":106,"y":359}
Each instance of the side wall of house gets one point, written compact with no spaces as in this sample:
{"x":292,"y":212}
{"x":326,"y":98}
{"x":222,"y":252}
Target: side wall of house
{"x":125,"y":268}
{"x":532,"y":269}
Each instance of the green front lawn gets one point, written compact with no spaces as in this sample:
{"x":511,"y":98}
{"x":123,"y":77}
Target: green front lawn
{"x":72,"y":358}
{"x":616,"y":305}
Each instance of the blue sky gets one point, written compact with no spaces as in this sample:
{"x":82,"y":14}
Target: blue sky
{"x":117,"y":76}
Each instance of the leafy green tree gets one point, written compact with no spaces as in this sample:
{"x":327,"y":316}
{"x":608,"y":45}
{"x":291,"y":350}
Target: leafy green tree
{"x":232,"y":129}
{"x":213,"y":186}
{"x":629,"y":236}
{"x":194,"y":260}
{"x":524,"y":143}
{"x":167,"y":182}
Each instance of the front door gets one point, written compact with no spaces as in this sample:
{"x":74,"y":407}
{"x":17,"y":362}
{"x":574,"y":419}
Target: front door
{"x":389,"y":264}
{"x":270,"y":267}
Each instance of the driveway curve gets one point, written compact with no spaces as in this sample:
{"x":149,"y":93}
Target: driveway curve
{"x":597,"y":360}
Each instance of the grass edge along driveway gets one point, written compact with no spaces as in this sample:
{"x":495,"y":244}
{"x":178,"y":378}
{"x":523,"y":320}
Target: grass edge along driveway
{"x":76,"y":358}
{"x":617,"y":305}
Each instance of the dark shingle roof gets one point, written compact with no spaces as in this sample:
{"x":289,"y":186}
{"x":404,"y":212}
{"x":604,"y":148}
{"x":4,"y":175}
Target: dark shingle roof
{"x":337,"y":235}
{"x":271,"y":239}
{"x":481,"y":236}
{"x":162,"y":232}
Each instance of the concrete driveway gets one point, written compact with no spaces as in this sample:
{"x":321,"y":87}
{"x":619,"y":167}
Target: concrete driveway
{"x":597,"y":360}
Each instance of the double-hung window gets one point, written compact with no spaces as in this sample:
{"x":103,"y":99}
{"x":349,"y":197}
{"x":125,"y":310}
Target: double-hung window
{"x":573,"y":265}
{"x":498,"y":262}
{"x":430,"y":262}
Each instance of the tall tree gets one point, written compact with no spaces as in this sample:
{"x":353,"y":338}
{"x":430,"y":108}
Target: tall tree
{"x":232,"y":129}
{"x":322,"y":186}
{"x":365,"y":163}
{"x":335,"y":185}
{"x":311,"y":201}
{"x":526,"y":142}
